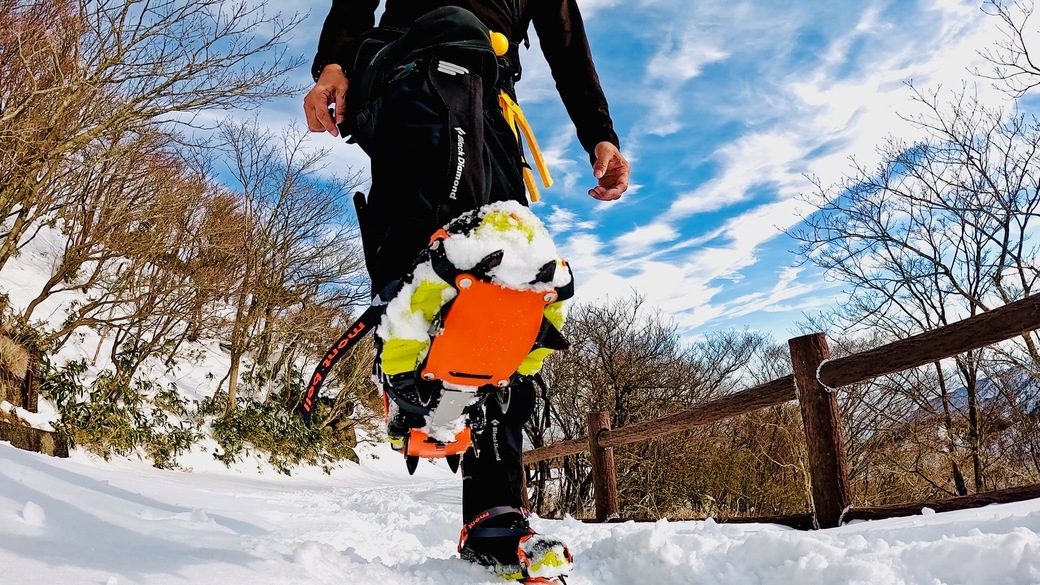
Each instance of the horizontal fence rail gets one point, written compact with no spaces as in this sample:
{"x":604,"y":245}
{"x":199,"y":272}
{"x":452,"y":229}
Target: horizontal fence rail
{"x":772,"y":393}
{"x":1004,"y":496}
{"x":1000,"y":324}
{"x":815,"y":374}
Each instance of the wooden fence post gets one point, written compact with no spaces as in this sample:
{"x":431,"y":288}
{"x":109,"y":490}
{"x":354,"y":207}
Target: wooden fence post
{"x":822,"y":421}
{"x":31,"y":385}
{"x":604,"y":476}
{"x":525,"y":500}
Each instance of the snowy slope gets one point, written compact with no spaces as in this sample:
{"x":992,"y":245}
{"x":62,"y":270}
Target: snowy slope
{"x":84,"y":521}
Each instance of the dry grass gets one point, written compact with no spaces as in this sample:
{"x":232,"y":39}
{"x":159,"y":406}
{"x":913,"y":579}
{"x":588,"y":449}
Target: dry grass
{"x":14,"y":358}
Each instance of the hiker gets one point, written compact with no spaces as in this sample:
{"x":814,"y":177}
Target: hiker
{"x":429,"y":95}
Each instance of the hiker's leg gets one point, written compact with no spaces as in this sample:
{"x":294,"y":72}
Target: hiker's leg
{"x":495,"y":477}
{"x":428,"y":159}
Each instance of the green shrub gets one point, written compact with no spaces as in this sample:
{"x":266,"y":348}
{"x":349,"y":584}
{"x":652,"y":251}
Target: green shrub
{"x":273,"y":427}
{"x":112,"y":417}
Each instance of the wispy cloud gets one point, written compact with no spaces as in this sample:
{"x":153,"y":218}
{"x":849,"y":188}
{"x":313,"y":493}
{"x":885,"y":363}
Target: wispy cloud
{"x":679,"y":59}
{"x":751,"y":160}
{"x":642,"y":238}
{"x":561,"y":220}
{"x":724,"y":107}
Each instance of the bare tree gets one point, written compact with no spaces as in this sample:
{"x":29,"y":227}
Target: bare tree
{"x":632,"y":363}
{"x":1013,"y":66}
{"x":300,"y":248}
{"x":75,"y":73}
{"x":147,"y":246}
{"x":940,"y":230}
{"x":119,"y":183}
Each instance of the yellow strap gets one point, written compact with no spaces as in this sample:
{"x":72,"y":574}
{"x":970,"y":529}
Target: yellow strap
{"x":515,"y":117}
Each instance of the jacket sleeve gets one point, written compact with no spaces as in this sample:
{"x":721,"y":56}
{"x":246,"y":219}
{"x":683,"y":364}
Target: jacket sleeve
{"x":346,"y":20}
{"x":561,"y":34}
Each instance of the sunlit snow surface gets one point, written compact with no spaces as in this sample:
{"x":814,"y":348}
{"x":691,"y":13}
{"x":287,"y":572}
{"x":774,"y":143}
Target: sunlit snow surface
{"x":87,"y":521}
{"x":83,"y":521}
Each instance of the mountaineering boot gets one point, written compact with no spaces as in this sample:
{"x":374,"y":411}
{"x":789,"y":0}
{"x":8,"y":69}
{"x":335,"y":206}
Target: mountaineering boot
{"x":479,"y":313}
{"x":502,"y":540}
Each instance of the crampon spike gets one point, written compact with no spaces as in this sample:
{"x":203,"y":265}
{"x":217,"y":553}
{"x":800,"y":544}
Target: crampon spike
{"x":453,"y":462}
{"x":412,"y":462}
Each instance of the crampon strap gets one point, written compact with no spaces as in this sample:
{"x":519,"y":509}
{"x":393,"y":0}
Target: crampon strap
{"x":472,"y":528}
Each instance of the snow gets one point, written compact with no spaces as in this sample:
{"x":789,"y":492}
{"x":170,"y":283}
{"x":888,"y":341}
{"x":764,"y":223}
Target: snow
{"x":521,"y":233}
{"x":83,"y":520}
{"x":40,"y":420}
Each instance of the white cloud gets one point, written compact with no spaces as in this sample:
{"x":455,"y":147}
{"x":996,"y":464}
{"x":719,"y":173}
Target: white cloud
{"x":679,"y":59}
{"x":641,"y":238}
{"x":786,"y":288}
{"x":682,"y":59}
{"x":753,"y":160}
{"x":590,"y":7}
{"x":562,"y":220}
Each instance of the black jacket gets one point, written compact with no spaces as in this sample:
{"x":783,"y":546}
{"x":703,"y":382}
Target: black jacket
{"x":561,"y":34}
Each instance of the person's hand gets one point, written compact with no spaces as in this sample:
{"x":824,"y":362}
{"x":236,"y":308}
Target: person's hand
{"x":611,"y":170}
{"x":331,"y":88}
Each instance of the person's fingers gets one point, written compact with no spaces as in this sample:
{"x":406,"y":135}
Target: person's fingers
{"x":607,"y":194}
{"x":312,"y":120}
{"x":623,"y":173}
{"x":325,"y":121}
{"x":611,"y":171}
{"x":315,"y":107}
{"x":607,"y":156}
{"x":614,"y":181}
{"x":599,"y":168}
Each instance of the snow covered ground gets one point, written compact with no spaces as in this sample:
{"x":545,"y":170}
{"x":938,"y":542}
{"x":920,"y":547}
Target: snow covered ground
{"x":86,"y":521}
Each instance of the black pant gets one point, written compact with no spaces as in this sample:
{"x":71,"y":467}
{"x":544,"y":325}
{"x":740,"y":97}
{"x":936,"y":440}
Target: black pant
{"x":441,"y":147}
{"x":407,"y":201}
{"x":492,"y":473}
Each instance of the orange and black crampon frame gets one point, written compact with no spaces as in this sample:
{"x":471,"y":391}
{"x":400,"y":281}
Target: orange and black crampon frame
{"x":487,"y":330}
{"x":481,"y":337}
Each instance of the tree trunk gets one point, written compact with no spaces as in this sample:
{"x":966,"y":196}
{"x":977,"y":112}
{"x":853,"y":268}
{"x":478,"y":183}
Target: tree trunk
{"x":236,"y":359}
{"x":969,"y":367}
{"x":951,"y":445}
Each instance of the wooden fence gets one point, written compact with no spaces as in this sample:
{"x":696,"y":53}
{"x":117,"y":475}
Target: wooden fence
{"x":812,"y":384}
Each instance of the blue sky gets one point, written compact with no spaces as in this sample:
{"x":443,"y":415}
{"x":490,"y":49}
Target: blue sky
{"x":723,"y":108}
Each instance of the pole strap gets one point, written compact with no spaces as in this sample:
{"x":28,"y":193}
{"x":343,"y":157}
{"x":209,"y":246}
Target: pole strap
{"x":355,"y":333}
{"x":518,"y":123}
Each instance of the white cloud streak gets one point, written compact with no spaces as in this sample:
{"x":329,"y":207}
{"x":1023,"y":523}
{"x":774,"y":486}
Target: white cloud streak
{"x":843,"y":105}
{"x":798,"y":86}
